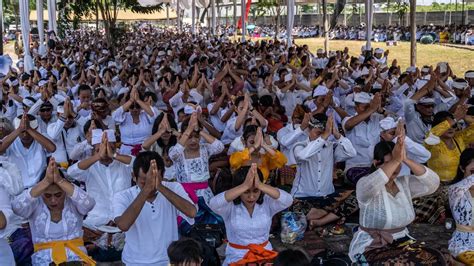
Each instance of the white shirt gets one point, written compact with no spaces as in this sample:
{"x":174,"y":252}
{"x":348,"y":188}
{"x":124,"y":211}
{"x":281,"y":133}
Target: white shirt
{"x":176,"y":102}
{"x":380,"y":210}
{"x":81,"y":151}
{"x":315,"y":163}
{"x":216,"y":118}
{"x":31,"y":162}
{"x":131,"y":133}
{"x":60,"y":136}
{"x":102,"y":183}
{"x":288,"y":136}
{"x":230,"y":133}
{"x":43,"y":230}
{"x":243,"y":228}
{"x":147,"y":240}
{"x":361,"y":137}
{"x":290,"y":99}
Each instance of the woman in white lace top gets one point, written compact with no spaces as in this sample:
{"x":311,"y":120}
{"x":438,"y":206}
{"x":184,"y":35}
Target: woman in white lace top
{"x":461,"y":201}
{"x":191,"y":161}
{"x":386,"y":208}
{"x":55,"y":210}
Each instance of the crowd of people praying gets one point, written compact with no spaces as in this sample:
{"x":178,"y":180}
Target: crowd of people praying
{"x":129,"y":151}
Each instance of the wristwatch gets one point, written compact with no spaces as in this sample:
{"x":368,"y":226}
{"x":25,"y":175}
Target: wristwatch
{"x":114,"y":156}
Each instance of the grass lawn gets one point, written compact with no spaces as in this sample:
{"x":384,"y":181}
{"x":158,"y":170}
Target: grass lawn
{"x":460,"y":60}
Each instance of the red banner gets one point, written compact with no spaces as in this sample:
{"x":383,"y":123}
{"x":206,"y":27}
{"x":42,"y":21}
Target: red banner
{"x":247,"y":11}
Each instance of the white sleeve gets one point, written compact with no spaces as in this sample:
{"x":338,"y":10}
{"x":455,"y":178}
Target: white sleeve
{"x":370,"y":185}
{"x":416,"y":151}
{"x":303,"y":153}
{"x":221,"y":206}
{"x":121,"y":202}
{"x":289,"y":137}
{"x":277,"y":205}
{"x":344,"y":150}
{"x":119,"y":115}
{"x":54,"y":130}
{"x":423,"y":185}
{"x":78,"y":174}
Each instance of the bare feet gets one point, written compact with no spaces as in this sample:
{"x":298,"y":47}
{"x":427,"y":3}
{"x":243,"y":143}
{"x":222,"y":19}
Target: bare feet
{"x":315,"y":214}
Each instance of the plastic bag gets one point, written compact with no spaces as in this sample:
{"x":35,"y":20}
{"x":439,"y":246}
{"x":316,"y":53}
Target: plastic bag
{"x":293,"y":226}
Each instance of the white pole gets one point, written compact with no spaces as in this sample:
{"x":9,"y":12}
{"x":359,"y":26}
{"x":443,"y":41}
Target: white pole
{"x":178,"y":22}
{"x":52,"y":25}
{"x":368,"y":20}
{"x":193,"y":17}
{"x":25,"y":34}
{"x":242,"y":16}
{"x":290,"y":14}
{"x":213,"y":17}
{"x":167,"y":15}
{"x":39,"y":21}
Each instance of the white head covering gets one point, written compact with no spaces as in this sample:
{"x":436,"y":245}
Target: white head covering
{"x":42,"y":83}
{"x":387,"y":123}
{"x":362,"y":97}
{"x":378,"y":51}
{"x":320,"y":51}
{"x":288,"y":77}
{"x":460,"y":84}
{"x":469,"y":74}
{"x":427,"y":100}
{"x":443,"y":67}
{"x":17,"y":122}
{"x":97,"y":135}
{"x":365,"y":71}
{"x":411,"y":69}
{"x":320,"y":91}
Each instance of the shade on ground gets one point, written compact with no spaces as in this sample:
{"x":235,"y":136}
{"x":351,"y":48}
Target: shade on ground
{"x":460,"y":60}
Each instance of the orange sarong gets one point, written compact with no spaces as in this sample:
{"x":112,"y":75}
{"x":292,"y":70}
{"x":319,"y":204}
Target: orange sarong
{"x":256,"y":253}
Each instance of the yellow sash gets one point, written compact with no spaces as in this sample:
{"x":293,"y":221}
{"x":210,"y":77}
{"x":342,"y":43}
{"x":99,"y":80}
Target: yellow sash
{"x":59,"y":250}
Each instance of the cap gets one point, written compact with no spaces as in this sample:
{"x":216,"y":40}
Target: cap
{"x":387,"y":123}
{"x":97,"y":135}
{"x":426,"y":100}
{"x":362,"y":97}
{"x":320,"y":91}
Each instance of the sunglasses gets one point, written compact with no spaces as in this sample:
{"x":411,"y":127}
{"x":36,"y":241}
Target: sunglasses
{"x":45,"y":110}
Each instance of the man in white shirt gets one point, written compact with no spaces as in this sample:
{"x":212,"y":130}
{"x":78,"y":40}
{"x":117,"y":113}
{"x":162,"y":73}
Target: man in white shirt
{"x":315,"y":159}
{"x":362,"y":130}
{"x":26,"y":148}
{"x":65,"y":133}
{"x":105,"y":173}
{"x":147,"y":212}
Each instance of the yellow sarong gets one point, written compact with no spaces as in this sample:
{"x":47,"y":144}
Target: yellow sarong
{"x":59,"y":250}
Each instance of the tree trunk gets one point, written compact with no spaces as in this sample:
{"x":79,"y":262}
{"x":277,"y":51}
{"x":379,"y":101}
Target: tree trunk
{"x":413,"y":32}
{"x":97,"y":17}
{"x":1,"y":34}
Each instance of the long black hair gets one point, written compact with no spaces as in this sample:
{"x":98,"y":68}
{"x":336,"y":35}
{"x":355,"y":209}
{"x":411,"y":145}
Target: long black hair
{"x":466,"y":158}
{"x":381,"y":149}
{"x":239,"y":177}
{"x":173,"y":140}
